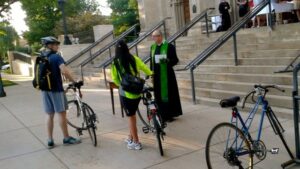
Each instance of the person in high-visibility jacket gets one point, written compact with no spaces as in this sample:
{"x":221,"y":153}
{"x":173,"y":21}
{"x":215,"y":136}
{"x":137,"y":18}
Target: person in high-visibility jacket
{"x":132,"y":65}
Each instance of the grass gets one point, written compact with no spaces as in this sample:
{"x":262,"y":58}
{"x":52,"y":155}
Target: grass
{"x":8,"y":83}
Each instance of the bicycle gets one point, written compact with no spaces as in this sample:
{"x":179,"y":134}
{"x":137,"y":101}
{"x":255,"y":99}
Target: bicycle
{"x":235,"y":146}
{"x":153,"y":122}
{"x":79,"y":114}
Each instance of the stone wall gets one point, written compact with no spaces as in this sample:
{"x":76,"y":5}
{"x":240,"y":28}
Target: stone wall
{"x":101,"y":30}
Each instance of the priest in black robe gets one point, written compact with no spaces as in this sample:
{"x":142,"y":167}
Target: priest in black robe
{"x":163,"y":58}
{"x":224,"y":8}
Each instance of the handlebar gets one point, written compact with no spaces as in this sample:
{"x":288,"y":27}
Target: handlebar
{"x":75,"y":85}
{"x":261,"y":90}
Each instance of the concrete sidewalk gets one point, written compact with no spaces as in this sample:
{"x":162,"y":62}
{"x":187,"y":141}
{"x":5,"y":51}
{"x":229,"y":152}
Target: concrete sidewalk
{"x":23,"y":136}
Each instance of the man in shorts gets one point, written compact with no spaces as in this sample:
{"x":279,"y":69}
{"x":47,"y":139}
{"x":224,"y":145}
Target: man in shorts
{"x":55,"y":101}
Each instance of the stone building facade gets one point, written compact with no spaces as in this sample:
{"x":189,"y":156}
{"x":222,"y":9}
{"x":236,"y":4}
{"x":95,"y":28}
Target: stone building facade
{"x":179,"y":11}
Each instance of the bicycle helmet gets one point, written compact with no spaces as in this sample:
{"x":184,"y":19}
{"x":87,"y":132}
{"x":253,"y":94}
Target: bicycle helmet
{"x":49,"y":40}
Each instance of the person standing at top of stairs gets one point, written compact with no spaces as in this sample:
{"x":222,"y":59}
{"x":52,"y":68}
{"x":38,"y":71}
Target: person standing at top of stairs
{"x":224,"y":8}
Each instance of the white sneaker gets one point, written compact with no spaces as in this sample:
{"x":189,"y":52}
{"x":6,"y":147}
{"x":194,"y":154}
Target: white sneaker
{"x":134,"y":146}
{"x":128,"y":140}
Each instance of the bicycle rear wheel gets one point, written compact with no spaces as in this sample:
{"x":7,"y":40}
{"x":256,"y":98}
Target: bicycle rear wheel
{"x":158,"y":133}
{"x":74,"y":117}
{"x":227,"y":147}
{"x":90,"y":122}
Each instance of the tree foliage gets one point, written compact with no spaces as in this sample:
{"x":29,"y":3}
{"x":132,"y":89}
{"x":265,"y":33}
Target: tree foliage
{"x":81,"y":23}
{"x":8,"y":38}
{"x":44,"y":16}
{"x":5,"y":5}
{"x":124,"y":14}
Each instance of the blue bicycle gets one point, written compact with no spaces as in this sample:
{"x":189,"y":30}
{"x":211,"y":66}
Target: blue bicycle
{"x":231,"y":145}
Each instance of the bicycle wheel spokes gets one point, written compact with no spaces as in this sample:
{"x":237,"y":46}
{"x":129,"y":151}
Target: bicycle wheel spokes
{"x":227,"y":147}
{"x":74,"y":116}
{"x":91,"y":123}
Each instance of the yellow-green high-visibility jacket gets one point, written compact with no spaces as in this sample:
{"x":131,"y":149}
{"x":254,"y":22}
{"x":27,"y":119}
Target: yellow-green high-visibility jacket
{"x":141,"y":66}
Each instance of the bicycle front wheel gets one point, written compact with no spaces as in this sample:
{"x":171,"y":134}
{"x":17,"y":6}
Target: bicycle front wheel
{"x":158,"y":133}
{"x":143,"y":118}
{"x":74,"y":115}
{"x":227,"y":147}
{"x":91,"y":122}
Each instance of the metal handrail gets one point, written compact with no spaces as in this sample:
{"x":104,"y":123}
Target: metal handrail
{"x":135,"y":44}
{"x":224,"y":38}
{"x":187,"y":27}
{"x":202,"y":15}
{"x":289,"y":67}
{"x":137,"y":41}
{"x":108,"y":46}
{"x":89,"y":47}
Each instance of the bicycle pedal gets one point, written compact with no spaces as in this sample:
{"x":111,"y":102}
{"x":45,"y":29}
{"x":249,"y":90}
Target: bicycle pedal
{"x":79,"y":132}
{"x":274,"y":151}
{"x":145,"y":130}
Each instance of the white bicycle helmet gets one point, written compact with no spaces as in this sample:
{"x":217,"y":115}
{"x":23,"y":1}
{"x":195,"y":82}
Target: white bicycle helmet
{"x":49,"y":40}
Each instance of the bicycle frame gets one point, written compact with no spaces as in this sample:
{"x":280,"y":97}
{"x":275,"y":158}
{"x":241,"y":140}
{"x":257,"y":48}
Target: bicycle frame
{"x":236,"y":117}
{"x":78,"y":99}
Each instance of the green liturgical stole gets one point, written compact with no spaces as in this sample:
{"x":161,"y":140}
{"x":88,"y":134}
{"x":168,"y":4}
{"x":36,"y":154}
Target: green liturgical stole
{"x":163,"y":68}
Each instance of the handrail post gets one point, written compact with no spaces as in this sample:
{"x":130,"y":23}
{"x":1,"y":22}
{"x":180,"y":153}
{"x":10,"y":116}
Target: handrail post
{"x":270,"y":16}
{"x":165,"y":29}
{"x":193,"y":85}
{"x":296,"y":109}
{"x":105,"y":79}
{"x":91,"y":56}
{"x":136,"y":50}
{"x":109,"y":52}
{"x":81,"y":71}
{"x":235,"y":50}
{"x":206,"y":24}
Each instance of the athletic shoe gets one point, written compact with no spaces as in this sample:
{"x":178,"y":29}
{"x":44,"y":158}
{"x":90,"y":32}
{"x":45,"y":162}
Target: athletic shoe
{"x":71,"y":140}
{"x":51,"y":144}
{"x":128,"y":140}
{"x":134,"y":146}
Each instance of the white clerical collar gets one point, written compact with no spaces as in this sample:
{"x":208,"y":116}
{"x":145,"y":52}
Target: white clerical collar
{"x":159,"y":44}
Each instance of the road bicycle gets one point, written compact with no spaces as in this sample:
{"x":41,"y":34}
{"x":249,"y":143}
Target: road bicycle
{"x":79,"y":114}
{"x":232,"y":145}
{"x":152,"y":122}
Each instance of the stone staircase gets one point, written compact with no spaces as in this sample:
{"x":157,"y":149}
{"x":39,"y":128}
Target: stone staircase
{"x":261,"y":52}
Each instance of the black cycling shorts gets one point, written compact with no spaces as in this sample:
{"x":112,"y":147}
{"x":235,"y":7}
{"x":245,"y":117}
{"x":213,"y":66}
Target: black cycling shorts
{"x":130,"y":105}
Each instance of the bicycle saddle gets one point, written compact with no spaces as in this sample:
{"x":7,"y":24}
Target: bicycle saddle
{"x":230,"y":102}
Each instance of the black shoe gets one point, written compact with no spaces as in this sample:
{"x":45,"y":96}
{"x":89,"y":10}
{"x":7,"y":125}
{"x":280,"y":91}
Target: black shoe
{"x":50,"y":144}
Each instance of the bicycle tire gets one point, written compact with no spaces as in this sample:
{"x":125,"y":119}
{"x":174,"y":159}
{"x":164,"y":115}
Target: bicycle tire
{"x":74,"y":116}
{"x":226,"y":154}
{"x":142,"y":118}
{"x":158,"y":133}
{"x":90,"y":122}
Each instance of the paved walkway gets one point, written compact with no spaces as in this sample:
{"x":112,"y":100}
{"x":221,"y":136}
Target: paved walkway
{"x":23,"y":137}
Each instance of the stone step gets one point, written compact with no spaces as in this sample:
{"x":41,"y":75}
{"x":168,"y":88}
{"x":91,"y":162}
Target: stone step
{"x":278,"y":30}
{"x":232,"y":86}
{"x":279,"y":79}
{"x":278,"y":101}
{"x":252,"y":61}
{"x":244,"y":61}
{"x":280,"y":112}
{"x":253,"y":69}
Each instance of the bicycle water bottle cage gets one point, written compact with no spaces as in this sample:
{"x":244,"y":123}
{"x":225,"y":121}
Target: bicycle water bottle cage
{"x":230,"y":102}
